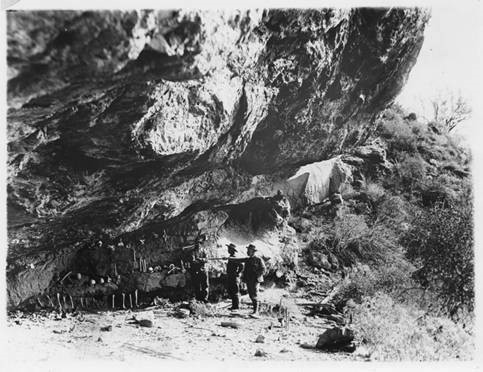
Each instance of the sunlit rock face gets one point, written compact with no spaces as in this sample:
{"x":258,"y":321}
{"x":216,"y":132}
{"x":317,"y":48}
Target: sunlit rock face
{"x":131,"y":122}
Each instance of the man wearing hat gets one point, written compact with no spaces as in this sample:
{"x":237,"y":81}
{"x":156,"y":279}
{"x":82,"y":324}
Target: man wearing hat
{"x":253,"y":275}
{"x":196,"y":264}
{"x":233,"y":270}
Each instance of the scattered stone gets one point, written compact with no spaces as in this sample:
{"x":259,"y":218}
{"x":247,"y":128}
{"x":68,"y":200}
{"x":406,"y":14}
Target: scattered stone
{"x":260,"y":353}
{"x":231,"y":325}
{"x":285,"y":350}
{"x":306,"y":345}
{"x":99,"y":339}
{"x":335,"y":338}
{"x":106,"y":328}
{"x":260,"y":339}
{"x":145,"y":323}
{"x":182,"y":313}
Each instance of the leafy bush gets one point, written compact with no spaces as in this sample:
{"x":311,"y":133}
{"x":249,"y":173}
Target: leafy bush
{"x":441,"y":242}
{"x":410,"y":172}
{"x":395,"y":332}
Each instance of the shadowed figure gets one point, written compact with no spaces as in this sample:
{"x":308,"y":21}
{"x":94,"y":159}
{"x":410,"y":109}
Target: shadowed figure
{"x":234,"y":269}
{"x":253,"y":275}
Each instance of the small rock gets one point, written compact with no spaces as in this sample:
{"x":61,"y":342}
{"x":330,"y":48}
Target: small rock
{"x":306,"y":345}
{"x":285,"y":350}
{"x":260,"y":353}
{"x":99,"y":339}
{"x":183,"y":313}
{"x":230,"y":324}
{"x":106,"y":328}
{"x":145,"y":323}
{"x":260,"y":339}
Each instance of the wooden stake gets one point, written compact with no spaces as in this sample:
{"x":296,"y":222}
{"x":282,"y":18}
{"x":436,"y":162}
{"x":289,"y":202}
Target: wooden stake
{"x":82,"y":301}
{"x":136,"y":298}
{"x":50,"y":301}
{"x":112,"y":300}
{"x":123,"y":302}
{"x":130,"y":301}
{"x":71,"y":302}
{"x":58,"y":300}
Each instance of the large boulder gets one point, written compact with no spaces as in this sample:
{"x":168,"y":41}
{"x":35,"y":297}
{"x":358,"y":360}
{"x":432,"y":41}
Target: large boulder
{"x":335,"y":338}
{"x":129,"y":123}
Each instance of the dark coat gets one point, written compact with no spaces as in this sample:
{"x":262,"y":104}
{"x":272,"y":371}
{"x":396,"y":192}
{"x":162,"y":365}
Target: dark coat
{"x":233,"y":269}
{"x":254,"y":269}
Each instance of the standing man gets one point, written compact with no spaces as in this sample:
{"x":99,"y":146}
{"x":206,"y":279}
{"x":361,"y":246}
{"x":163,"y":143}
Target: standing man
{"x":233,"y":270}
{"x":253,"y":275}
{"x":199,"y":274}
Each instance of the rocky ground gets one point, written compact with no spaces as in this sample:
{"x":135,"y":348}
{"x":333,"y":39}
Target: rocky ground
{"x":49,"y":337}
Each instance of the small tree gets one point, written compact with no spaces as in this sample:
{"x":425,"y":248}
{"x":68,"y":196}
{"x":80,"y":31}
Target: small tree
{"x":449,"y":110}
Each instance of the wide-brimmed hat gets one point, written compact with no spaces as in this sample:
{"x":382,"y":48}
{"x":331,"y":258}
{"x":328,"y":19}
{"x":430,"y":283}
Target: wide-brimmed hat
{"x":251,"y":246}
{"x":232,"y":247}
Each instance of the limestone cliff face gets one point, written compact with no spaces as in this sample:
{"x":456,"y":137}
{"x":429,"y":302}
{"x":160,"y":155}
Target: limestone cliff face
{"x":129,"y":124}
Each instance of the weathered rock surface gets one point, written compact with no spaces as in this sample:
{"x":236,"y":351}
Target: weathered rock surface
{"x":152,"y":125}
{"x":335,"y":338}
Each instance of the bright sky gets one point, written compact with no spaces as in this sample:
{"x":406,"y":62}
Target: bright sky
{"x":449,"y":61}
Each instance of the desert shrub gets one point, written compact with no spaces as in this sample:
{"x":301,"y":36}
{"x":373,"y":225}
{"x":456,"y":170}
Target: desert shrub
{"x":351,"y":240}
{"x":396,"y":332}
{"x":410,"y":172}
{"x":419,"y":129}
{"x":203,"y":309}
{"x":365,"y":281}
{"x":373,"y":192}
{"x":439,"y":190}
{"x":399,"y":136}
{"x":395,"y":212}
{"x":441,"y":243}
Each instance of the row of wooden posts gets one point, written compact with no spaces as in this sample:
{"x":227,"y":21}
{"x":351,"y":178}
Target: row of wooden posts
{"x":131,"y":301}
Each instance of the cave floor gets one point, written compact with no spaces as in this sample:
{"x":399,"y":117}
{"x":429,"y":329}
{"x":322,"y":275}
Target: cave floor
{"x":49,"y":338}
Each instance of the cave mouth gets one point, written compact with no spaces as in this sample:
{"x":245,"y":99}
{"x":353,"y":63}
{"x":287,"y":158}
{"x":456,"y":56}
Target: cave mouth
{"x":145,"y":130}
{"x":108,"y":273}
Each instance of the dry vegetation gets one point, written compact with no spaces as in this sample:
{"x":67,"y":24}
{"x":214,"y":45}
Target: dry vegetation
{"x":404,"y":238}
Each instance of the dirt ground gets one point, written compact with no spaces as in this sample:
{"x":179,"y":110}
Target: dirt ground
{"x":49,"y":337}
